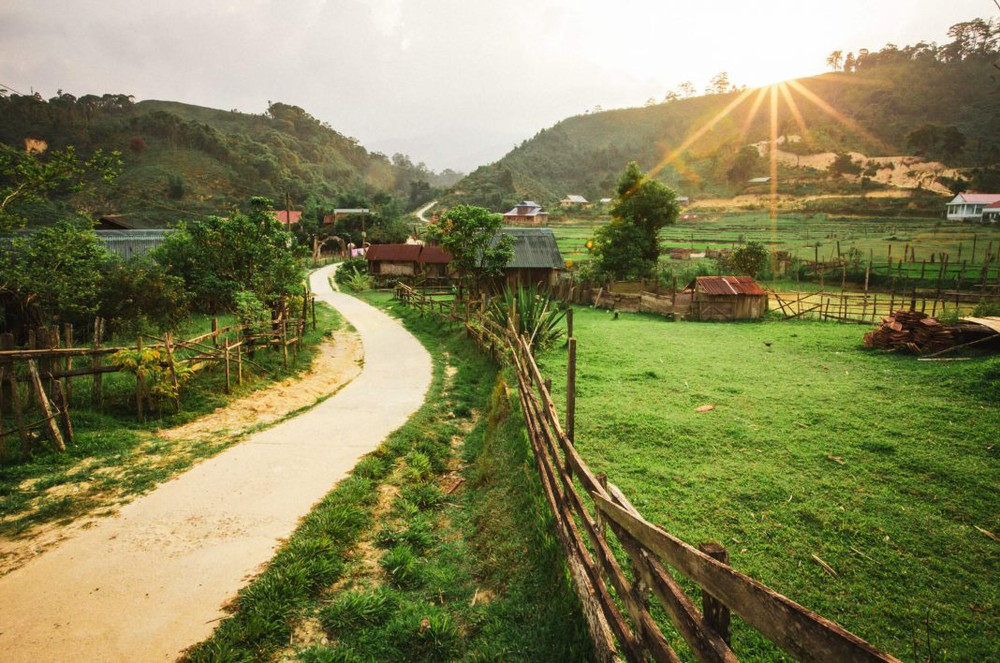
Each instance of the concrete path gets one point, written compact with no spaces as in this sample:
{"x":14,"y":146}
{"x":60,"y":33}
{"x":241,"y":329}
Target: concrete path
{"x":151,"y":581}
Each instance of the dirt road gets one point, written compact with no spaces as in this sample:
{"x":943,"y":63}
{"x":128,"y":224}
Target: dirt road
{"x":148,"y":583}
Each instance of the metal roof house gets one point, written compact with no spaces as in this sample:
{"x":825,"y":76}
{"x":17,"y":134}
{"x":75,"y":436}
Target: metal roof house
{"x":536,"y":259}
{"x":573,"y":200}
{"x":407,"y":260}
{"x":970,"y":206}
{"x":526,"y":213}
{"x":726,"y":298}
{"x":991,"y":213}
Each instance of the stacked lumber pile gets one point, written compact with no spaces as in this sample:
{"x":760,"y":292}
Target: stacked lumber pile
{"x":911,"y":331}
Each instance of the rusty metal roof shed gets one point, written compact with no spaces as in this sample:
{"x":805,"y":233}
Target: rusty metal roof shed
{"x":726,"y":285}
{"x":407,"y":253}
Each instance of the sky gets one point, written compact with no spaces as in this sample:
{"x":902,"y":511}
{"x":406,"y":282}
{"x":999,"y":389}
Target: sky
{"x":453,"y":83}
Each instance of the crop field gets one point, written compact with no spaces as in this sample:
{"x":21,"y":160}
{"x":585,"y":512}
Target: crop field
{"x":809,"y":237}
{"x":882,"y":467}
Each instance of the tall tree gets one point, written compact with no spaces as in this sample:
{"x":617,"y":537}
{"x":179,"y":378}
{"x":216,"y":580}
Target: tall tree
{"x":630,"y":245}
{"x":835,"y":60}
{"x":472,"y":236}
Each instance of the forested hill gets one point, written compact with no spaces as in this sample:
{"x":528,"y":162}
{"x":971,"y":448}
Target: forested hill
{"x":183,"y":161}
{"x":938,"y":103}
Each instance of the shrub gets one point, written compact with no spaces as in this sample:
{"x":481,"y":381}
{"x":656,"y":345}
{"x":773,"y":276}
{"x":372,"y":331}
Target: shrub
{"x":533,"y":313}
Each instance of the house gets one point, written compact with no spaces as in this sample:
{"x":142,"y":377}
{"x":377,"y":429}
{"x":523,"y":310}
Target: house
{"x":407,"y":260}
{"x":970,"y":206}
{"x":726,"y":298}
{"x":338,"y":214}
{"x":573,"y":200}
{"x":536,"y":260}
{"x":683,"y":200}
{"x":991,"y":213}
{"x":758,"y":180}
{"x":287,"y":217}
{"x":526,"y":213}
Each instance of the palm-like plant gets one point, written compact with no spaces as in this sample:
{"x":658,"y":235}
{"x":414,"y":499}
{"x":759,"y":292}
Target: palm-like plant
{"x":532,"y":313}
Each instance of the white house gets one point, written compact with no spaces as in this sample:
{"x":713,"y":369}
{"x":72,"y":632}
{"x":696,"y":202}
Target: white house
{"x":526,"y":213}
{"x":970,"y":206}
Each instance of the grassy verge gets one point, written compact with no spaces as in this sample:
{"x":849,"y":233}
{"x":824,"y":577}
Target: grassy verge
{"x":114,"y":455}
{"x":883,"y":467}
{"x":436,"y":548}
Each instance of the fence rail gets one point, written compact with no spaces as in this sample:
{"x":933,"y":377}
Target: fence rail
{"x":586,"y":507}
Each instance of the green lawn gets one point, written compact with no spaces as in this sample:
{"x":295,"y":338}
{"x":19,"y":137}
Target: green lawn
{"x":878,"y":464}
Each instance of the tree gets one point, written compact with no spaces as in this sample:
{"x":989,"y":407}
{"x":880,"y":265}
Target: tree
{"x":749,"y":259}
{"x":629,"y":246}
{"x":719,"y":83}
{"x":849,"y":63}
{"x":219,"y":258}
{"x":27,"y":177}
{"x":843,"y":164}
{"x":744,"y":165}
{"x":835,"y":60}
{"x":686,"y":89}
{"x":472,"y":236}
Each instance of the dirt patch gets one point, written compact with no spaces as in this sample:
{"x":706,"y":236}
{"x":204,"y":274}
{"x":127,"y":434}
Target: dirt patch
{"x":337,"y":363}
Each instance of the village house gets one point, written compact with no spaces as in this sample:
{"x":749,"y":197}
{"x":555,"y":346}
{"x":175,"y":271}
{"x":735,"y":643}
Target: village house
{"x":536,"y":260}
{"x":526,"y":213}
{"x":573,"y":200}
{"x":343,"y":213}
{"x":970,"y":206}
{"x":991,"y":213}
{"x":407,"y":260}
{"x":287,"y":217}
{"x":726,"y":298}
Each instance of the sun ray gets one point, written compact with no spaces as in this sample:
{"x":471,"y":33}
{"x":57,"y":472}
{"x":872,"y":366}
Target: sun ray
{"x":834,"y":113}
{"x":793,"y":107}
{"x":745,"y":129}
{"x":701,"y":132}
{"x":774,"y":152}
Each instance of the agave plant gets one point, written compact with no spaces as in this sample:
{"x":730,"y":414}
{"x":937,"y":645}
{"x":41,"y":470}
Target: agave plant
{"x":533,"y":313}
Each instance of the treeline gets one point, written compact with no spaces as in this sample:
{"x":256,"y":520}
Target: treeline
{"x":182,"y":161}
{"x":246,"y":264}
{"x":938,"y":102}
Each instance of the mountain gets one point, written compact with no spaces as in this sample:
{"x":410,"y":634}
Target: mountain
{"x":183,"y":161}
{"x":924,"y":110}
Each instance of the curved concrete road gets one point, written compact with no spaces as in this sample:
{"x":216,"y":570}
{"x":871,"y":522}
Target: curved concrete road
{"x":151,"y":581}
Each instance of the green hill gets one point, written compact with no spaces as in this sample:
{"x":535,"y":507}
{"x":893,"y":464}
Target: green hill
{"x":184,"y":161}
{"x":939,"y":104}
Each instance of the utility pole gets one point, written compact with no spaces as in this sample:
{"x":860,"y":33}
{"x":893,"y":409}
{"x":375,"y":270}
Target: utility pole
{"x":288,"y":212}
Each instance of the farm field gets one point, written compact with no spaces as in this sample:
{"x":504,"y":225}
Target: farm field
{"x":808,"y":236}
{"x":883,"y":467}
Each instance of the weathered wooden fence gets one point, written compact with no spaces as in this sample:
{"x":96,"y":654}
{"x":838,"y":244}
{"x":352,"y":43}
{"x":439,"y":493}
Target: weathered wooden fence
{"x":591,"y":513}
{"x":46,"y":368}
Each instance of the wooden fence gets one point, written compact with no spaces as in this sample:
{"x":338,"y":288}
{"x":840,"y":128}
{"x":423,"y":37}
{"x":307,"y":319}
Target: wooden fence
{"x":46,"y":367}
{"x":591,"y":513}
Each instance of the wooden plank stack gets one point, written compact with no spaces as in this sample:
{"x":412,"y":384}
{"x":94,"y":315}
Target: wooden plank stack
{"x":911,"y":331}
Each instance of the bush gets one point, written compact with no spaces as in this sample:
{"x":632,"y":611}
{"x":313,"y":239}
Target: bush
{"x":350,"y":269}
{"x":534,"y":313}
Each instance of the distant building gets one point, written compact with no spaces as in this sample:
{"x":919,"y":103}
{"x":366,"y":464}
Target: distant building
{"x":573,"y":200}
{"x":287,"y":217}
{"x":526,"y":213}
{"x":970,"y":206}
{"x":342,"y":213}
{"x":991,"y":213}
{"x":605,"y":201}
{"x":758,"y":180}
{"x":683,"y":200}
{"x":536,"y":260}
{"x":407,"y":260}
{"x":726,"y":298}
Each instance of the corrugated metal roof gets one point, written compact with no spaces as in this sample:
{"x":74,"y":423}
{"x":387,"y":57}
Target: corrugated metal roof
{"x":975,"y":198}
{"x":727,"y":285}
{"x":534,"y":248}
{"x":995,"y":205}
{"x":394,"y":252}
{"x":408,"y":253}
{"x":574,"y":198}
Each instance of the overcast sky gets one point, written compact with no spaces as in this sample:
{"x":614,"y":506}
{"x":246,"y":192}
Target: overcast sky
{"x":453,"y":83}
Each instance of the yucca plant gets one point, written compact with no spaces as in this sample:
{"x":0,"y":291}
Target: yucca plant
{"x":533,"y":313}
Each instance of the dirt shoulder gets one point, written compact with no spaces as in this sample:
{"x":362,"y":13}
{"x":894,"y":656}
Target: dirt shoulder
{"x":338,"y":361}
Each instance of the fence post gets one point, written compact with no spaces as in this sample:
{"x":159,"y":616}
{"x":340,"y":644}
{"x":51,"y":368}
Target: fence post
{"x":226,"y":350}
{"x":215,"y":332}
{"x":68,"y":381}
{"x":43,"y":403}
{"x":284,"y":343}
{"x":15,"y":396}
{"x":97,"y":395}
{"x":571,"y":392}
{"x":139,"y":382}
{"x":569,"y":322}
{"x":167,"y":342}
{"x":717,"y":615}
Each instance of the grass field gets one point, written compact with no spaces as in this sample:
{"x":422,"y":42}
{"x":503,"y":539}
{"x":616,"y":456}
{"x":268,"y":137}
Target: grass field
{"x":810,"y":236}
{"x":882,"y":466}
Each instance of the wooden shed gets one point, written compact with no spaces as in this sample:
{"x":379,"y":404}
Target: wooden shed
{"x":407,"y":260}
{"x":726,"y":298}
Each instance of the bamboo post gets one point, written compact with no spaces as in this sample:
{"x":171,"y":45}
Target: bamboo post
{"x":63,"y":409}
{"x":228,"y":384}
{"x":239,"y":365}
{"x":215,"y":332}
{"x":139,"y":382}
{"x":284,"y":343}
{"x":43,"y":403}
{"x":313,"y":299}
{"x":68,"y":382}
{"x":571,"y":393}
{"x":97,"y":393}
{"x":15,"y":397}
{"x":717,"y":616}
{"x":569,"y":322}
{"x":167,"y":343}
